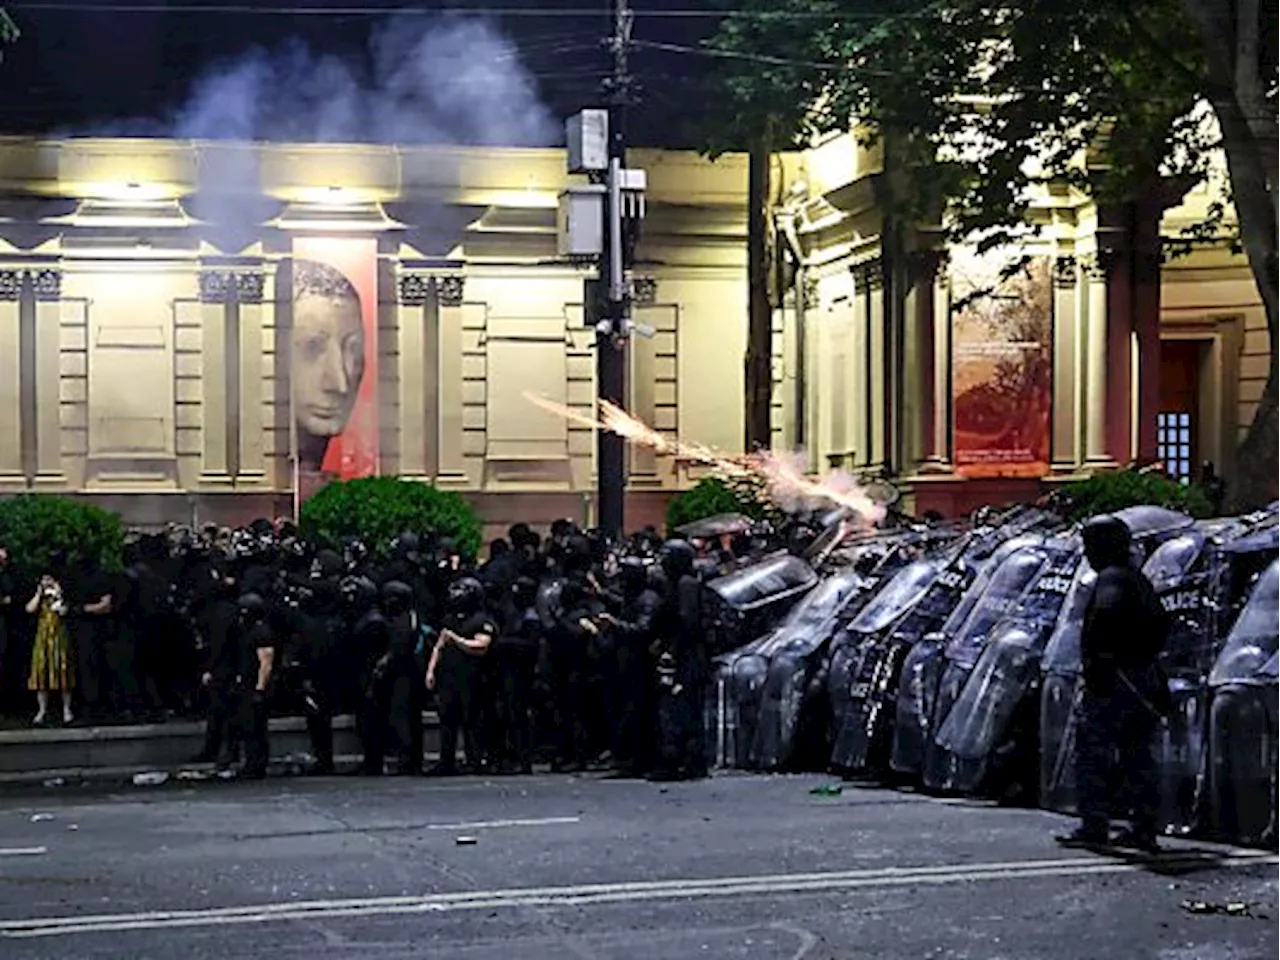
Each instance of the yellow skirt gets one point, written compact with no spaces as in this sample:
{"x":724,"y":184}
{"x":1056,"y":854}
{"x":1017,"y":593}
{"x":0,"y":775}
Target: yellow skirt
{"x":51,"y":667}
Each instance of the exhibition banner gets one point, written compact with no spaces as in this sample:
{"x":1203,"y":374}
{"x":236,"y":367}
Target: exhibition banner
{"x":1001,"y":363}
{"x":333,"y":373}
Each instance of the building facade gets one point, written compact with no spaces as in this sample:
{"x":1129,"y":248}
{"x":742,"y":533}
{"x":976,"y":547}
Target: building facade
{"x":145,"y":322}
{"x":152,"y":305}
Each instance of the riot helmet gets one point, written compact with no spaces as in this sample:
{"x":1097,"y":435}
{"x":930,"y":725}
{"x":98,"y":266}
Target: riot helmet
{"x":677,"y":557}
{"x":466,"y":596}
{"x":253,"y":608}
{"x":1106,"y":542}
{"x":397,"y":598}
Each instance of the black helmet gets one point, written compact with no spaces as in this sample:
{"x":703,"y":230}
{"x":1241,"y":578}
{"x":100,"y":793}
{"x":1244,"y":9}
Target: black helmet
{"x":466,"y":596}
{"x":525,"y":591}
{"x":252,"y":607}
{"x":677,"y":558}
{"x":633,"y":574}
{"x":359,"y":592}
{"x":397,"y":597}
{"x":406,"y":544}
{"x":1106,"y":541}
{"x":326,"y":564}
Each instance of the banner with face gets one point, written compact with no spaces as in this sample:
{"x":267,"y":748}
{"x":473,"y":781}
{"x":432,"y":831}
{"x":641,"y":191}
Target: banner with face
{"x":333,"y":352}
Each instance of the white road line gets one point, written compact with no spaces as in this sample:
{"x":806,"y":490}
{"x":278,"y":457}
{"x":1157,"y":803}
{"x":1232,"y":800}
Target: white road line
{"x":496,"y":824}
{"x":587,"y":895}
{"x":23,"y":851}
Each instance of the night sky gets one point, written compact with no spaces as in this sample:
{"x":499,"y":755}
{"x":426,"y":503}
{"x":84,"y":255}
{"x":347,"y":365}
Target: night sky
{"x":77,"y":70}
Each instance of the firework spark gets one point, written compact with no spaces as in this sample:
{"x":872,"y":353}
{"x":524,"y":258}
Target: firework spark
{"x":789,"y":485}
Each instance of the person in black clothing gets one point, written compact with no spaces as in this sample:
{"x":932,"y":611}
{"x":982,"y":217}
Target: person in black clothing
{"x":683,"y":668}
{"x":369,"y":641}
{"x":256,"y":654}
{"x":452,"y":672}
{"x":9,"y":664}
{"x":634,"y":630}
{"x":312,"y":665}
{"x":403,"y":671}
{"x":216,"y":617}
{"x":515,"y":654}
{"x":91,"y":623}
{"x":569,"y":607}
{"x":1125,"y":693}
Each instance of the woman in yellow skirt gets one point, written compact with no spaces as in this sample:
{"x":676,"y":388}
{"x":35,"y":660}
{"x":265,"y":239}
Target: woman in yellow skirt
{"x":51,"y":667}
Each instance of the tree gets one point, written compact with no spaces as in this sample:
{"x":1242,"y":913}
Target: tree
{"x":778,"y":94}
{"x":9,"y":31}
{"x":983,"y":103}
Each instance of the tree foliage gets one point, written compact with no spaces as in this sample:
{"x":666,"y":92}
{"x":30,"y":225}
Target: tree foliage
{"x":1114,"y":490}
{"x":982,"y":103}
{"x":378,"y":509}
{"x":45,"y":533}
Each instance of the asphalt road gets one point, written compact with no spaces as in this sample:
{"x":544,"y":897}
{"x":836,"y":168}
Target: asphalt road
{"x":738,"y":866}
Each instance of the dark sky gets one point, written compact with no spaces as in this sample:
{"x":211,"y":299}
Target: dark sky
{"x":74,"y":69}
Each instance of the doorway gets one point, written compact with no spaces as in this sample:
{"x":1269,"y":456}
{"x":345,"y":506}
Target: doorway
{"x":1178,"y":421}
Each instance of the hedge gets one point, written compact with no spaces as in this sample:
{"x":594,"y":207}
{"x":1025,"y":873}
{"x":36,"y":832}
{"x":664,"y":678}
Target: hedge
{"x":715,"y":495}
{"x":378,"y":509}
{"x":46,"y":533}
{"x":1113,"y":490}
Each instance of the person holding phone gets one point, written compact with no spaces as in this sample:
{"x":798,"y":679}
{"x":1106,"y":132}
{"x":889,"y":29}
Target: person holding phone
{"x":51,"y":666}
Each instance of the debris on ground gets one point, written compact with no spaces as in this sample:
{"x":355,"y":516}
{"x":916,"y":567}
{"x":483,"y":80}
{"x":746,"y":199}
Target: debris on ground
{"x":152,"y":778}
{"x":41,"y":817}
{"x":466,"y":841}
{"x":55,"y":782}
{"x":827,"y":790}
{"x":197,"y":775}
{"x":1236,"y":908}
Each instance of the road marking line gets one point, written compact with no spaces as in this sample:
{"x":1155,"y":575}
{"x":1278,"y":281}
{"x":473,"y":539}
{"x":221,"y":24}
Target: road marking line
{"x":23,"y":851}
{"x":589,"y":895}
{"x":495,"y":824}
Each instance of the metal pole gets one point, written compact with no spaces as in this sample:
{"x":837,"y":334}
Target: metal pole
{"x":610,"y":340}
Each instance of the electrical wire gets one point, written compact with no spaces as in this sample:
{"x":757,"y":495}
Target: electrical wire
{"x":533,"y":13}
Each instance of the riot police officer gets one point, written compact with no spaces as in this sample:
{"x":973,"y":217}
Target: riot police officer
{"x":634,"y":630}
{"x":369,"y":640}
{"x":403,"y":671}
{"x":453,"y":671}
{"x":257,"y":656}
{"x":682,"y":669}
{"x":516,"y":653}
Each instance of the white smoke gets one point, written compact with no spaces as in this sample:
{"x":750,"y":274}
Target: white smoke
{"x":451,"y":80}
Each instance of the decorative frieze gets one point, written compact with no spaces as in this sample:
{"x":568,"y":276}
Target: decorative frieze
{"x":1065,"y":269}
{"x":450,"y":290}
{"x":232,"y":286}
{"x":868,"y":274}
{"x":644,"y":291}
{"x":415,"y":289}
{"x":45,"y":284}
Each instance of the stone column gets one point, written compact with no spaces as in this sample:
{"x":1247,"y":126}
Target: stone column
{"x":877,"y":386}
{"x":217,"y":317}
{"x":930,"y":359}
{"x":48,"y":384}
{"x":448,"y":295}
{"x":1066,"y":395}
{"x":246,"y":346}
{"x":12,"y":468}
{"x":642,"y":462}
{"x":866,"y":276}
{"x":1095,"y":387}
{"x":418,"y":376}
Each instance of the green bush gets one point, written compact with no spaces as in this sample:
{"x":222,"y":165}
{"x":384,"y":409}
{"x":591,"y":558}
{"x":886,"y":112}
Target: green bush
{"x":715,"y":495}
{"x":1114,"y":490}
{"x":377,"y":509}
{"x":48,"y":533}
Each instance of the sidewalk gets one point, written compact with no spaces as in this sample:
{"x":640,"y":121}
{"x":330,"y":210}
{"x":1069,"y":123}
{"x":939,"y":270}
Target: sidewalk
{"x":71,"y":754}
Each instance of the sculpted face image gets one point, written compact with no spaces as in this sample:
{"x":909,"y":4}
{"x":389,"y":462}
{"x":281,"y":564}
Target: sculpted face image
{"x":328,"y":354}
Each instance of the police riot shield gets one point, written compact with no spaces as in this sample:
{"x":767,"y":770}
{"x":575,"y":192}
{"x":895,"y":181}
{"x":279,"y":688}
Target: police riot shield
{"x":1242,"y":791}
{"x":1008,"y":583}
{"x":990,"y":732}
{"x":793,"y":657}
{"x":921,"y":671}
{"x":749,"y":602}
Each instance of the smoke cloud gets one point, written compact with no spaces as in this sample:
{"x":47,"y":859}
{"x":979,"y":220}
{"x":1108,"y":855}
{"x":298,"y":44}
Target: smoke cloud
{"x":452,"y":80}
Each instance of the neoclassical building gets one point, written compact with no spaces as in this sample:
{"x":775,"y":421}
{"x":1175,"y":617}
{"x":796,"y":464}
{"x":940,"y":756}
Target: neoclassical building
{"x":183,"y":325}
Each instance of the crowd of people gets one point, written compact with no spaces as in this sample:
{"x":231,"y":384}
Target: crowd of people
{"x":568,"y":649}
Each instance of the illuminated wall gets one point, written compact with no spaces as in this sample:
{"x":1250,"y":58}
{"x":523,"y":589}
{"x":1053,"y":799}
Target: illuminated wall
{"x":146,"y":334}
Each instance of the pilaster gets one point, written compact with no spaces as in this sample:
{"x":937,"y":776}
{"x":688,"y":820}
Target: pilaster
{"x":1097,"y":268}
{"x":50,"y":469}
{"x":12,"y":472}
{"x":1066,"y":388}
{"x":450,"y":424}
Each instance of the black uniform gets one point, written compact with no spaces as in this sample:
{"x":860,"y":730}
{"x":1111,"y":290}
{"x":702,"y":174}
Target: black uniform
{"x":1124,"y":690}
{"x":255,"y":636}
{"x":216,"y":617}
{"x":682,"y":670}
{"x":457,"y":677}
{"x":90,"y":633}
{"x":634,"y":637}
{"x":516,"y":651}
{"x":369,"y":639}
{"x":404,"y":670}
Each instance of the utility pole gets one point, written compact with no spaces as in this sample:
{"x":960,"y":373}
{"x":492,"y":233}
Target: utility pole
{"x":598,"y":223}
{"x":611,"y":337}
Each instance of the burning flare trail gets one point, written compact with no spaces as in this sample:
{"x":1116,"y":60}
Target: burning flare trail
{"x":789,"y":486}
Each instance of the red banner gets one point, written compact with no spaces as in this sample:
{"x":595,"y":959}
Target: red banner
{"x":1001,"y":364}
{"x":333,"y":363}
